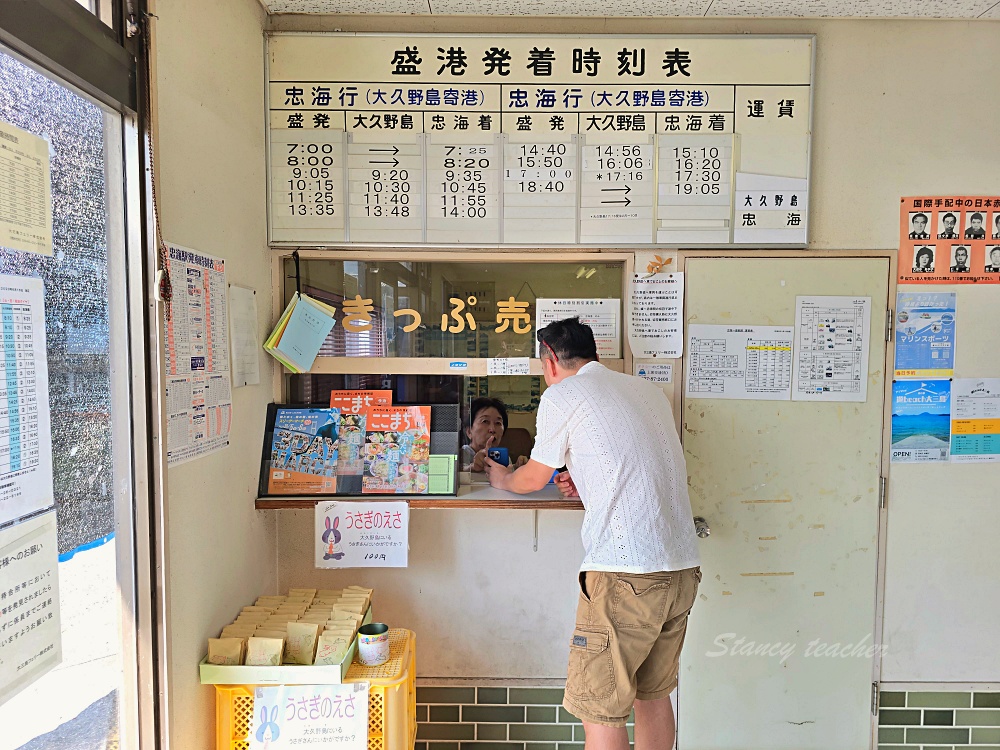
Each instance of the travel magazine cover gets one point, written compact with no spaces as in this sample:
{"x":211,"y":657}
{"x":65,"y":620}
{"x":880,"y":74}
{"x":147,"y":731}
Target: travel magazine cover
{"x":304,"y":452}
{"x":353,"y":406}
{"x":397,"y":450}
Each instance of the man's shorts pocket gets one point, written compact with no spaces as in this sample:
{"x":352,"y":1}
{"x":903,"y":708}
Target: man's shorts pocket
{"x":640,"y":600}
{"x":591,"y":670}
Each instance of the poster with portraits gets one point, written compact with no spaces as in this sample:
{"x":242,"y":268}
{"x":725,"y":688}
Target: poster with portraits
{"x":949,"y":240}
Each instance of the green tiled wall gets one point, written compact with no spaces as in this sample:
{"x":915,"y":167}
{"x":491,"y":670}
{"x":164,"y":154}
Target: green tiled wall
{"x":491,"y":718}
{"x":939,"y":720}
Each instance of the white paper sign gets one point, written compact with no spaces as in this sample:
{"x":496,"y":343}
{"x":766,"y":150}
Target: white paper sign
{"x":26,"y":208}
{"x":25,"y":430}
{"x":508,"y":366}
{"x":975,"y":420}
{"x":656,"y":305}
{"x":196,"y":331}
{"x":30,"y":632}
{"x":655,"y":372}
{"x":739,"y":362}
{"x":831,"y":348}
{"x":321,"y":716}
{"x":362,"y":535}
{"x":243,"y":336}
{"x":602,"y":315}
{"x":770,"y":210}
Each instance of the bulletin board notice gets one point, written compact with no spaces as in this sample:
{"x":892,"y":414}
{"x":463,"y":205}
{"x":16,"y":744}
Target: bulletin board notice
{"x":539,"y":140}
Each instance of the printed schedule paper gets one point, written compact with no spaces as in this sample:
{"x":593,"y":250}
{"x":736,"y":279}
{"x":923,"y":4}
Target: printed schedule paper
{"x":25,"y":430}
{"x":831,"y":348}
{"x":739,"y":362}
{"x":25,"y":191}
{"x":196,"y":330}
{"x":975,"y":420}
{"x":601,"y":314}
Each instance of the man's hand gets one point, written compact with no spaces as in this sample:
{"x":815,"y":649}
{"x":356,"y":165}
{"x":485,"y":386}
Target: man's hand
{"x":565,"y":484}
{"x":531,"y":477}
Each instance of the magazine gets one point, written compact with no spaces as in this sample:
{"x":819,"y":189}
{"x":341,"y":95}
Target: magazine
{"x":397,"y":450}
{"x":304,"y":452}
{"x":353,"y":406}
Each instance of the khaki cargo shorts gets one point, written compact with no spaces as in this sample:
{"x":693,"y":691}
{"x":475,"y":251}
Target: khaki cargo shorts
{"x":627,"y":641}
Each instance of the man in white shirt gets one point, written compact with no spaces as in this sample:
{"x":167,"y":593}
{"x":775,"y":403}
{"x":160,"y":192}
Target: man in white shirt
{"x":615,"y":434}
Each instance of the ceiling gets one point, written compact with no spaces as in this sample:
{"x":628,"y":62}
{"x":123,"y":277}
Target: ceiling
{"x":963,"y":9}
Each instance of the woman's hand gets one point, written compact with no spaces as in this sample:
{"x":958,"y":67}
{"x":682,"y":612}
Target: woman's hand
{"x":479,"y":462}
{"x":521,"y":461}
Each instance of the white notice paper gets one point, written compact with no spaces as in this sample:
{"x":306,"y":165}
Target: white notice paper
{"x":831,"y":348}
{"x":975,"y":420}
{"x":294,"y":716}
{"x":26,"y":195}
{"x":25,"y":431}
{"x":739,"y":362}
{"x":602,"y":315}
{"x":656,"y":303}
{"x":362,"y":534}
{"x":655,"y":372}
{"x":196,"y":331}
{"x":508,"y":366}
{"x":31,"y":644}
{"x":243,"y":336}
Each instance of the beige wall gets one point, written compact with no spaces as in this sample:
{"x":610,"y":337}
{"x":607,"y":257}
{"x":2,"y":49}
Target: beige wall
{"x":897,"y":111}
{"x":210,"y":148}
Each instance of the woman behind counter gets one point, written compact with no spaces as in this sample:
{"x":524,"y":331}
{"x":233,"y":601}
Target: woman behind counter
{"x":487,"y":423}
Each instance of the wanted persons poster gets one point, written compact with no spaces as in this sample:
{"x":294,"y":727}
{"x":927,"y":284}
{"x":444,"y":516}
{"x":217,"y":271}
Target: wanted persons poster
{"x":949,"y":240}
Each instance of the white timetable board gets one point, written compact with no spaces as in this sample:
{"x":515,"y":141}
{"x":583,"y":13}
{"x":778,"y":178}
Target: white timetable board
{"x":539,"y":140}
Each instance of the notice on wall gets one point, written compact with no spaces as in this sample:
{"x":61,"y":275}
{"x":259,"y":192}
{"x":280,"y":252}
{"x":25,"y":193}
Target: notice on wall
{"x":831,"y":348}
{"x":196,"y":331}
{"x":508,"y":366}
{"x":949,"y":240}
{"x":975,"y":420}
{"x":320,"y":716}
{"x":921,"y":421}
{"x":925,"y":335}
{"x":362,"y":535}
{"x":243,"y":336}
{"x":655,"y":372}
{"x":25,"y":429}
{"x":537,"y":140}
{"x":601,"y":314}
{"x":26,"y":197}
{"x":31,"y":641}
{"x":656,"y":307}
{"x":739,"y":362}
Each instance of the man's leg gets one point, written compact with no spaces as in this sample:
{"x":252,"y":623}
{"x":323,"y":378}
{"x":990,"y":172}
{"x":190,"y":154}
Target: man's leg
{"x":654,"y":725}
{"x":601,"y":737}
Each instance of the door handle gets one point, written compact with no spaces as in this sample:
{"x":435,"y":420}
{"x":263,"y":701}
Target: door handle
{"x":701,"y":527}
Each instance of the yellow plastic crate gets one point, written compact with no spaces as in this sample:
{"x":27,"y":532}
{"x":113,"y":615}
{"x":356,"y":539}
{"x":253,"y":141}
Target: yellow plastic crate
{"x":392,"y":700}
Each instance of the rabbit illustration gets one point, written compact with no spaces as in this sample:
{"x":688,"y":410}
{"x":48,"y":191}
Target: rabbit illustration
{"x":331,"y":537}
{"x":268,"y":731}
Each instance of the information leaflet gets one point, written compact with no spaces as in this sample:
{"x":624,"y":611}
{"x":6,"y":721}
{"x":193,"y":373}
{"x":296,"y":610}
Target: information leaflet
{"x":739,"y":362}
{"x":831,"y":348}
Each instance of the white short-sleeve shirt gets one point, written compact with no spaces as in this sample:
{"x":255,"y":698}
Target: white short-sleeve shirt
{"x":616,"y":435}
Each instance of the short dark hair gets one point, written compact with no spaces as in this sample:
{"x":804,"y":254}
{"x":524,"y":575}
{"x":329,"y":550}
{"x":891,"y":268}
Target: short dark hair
{"x":478,"y":404}
{"x":976,"y":216}
{"x":953,"y":217}
{"x":569,"y":340}
{"x":919,"y":216}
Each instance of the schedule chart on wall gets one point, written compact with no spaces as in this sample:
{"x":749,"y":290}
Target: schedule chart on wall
{"x":25,"y":432}
{"x":739,"y":362}
{"x":539,"y":140}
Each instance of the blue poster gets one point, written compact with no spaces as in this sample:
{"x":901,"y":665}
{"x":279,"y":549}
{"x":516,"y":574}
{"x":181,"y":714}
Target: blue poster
{"x":921,"y":420}
{"x":925,"y":335}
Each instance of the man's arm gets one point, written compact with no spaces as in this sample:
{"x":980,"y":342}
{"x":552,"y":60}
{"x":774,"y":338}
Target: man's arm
{"x":531,"y":477}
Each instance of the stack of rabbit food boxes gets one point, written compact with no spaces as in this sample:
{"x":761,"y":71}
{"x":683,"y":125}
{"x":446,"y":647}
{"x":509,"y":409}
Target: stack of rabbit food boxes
{"x":306,"y":627}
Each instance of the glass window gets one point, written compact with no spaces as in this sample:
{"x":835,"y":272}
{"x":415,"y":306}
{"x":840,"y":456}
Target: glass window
{"x":451,"y":308}
{"x":82,"y":697}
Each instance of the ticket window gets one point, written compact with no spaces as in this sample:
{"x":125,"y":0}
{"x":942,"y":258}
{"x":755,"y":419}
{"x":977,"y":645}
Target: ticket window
{"x":425,"y":330}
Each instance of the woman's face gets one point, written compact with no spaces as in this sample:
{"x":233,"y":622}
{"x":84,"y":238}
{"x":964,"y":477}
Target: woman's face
{"x":487,"y":422}
{"x":924,"y":260}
